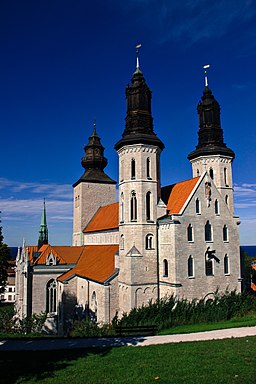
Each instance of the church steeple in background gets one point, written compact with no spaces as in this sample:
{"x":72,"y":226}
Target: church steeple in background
{"x":210,"y":133}
{"x":43,"y":232}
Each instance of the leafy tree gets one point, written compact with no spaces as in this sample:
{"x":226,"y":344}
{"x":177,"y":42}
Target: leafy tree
{"x":4,"y":255}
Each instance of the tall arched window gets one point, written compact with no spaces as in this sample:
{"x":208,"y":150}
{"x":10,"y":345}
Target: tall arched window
{"x":190,"y":266}
{"x":226,"y":265}
{"x":149,"y":241}
{"x":122,"y":208}
{"x":190,"y":233}
{"x":165,"y":266}
{"x":133,"y":206}
{"x":225,"y":177}
{"x":225,"y":233}
{"x":197,"y":172}
{"x":197,"y":206}
{"x":148,"y":168}
{"x":208,"y":267}
{"x":148,"y":205}
{"x":216,"y":207}
{"x":51,"y":296}
{"x":133,"y":168}
{"x":211,"y":174}
{"x":226,"y":199}
{"x":208,"y":231}
{"x":122,"y":241}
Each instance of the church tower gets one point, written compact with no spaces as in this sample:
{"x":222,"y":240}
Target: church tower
{"x":94,"y":188}
{"x":211,"y":153}
{"x":139,"y":192}
{"x":43,"y":232}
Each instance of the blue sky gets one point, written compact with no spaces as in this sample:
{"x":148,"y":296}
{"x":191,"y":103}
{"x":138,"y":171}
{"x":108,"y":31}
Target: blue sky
{"x":65,"y":62}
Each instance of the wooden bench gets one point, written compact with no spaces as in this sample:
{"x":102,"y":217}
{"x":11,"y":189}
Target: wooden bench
{"x":139,"y":330}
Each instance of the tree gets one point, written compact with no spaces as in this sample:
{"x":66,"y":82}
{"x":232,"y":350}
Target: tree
{"x":4,"y":255}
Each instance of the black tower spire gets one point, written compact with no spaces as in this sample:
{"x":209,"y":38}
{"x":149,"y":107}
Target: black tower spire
{"x":94,"y":161}
{"x":139,"y":121}
{"x":210,"y":134}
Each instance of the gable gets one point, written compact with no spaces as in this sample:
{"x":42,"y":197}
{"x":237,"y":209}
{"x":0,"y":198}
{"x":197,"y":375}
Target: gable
{"x":176,"y":195}
{"x":62,"y":254}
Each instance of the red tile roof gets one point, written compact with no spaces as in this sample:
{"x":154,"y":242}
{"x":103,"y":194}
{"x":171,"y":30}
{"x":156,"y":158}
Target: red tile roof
{"x":175,"y":195}
{"x":97,"y":263}
{"x":105,"y":218}
{"x":64,"y":254}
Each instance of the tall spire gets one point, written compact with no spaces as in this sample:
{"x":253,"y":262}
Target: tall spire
{"x":210,"y":133}
{"x":43,"y":232}
{"x":94,"y":161}
{"x":139,"y":121}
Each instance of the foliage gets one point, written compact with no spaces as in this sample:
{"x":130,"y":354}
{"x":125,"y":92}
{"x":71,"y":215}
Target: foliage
{"x":170,"y":312}
{"x":10,"y":324}
{"x":4,"y":255}
{"x":89,"y":328}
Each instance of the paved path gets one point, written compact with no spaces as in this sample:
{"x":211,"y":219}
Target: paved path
{"x":56,"y":344}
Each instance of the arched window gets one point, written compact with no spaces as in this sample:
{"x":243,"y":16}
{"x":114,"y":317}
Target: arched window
{"x":51,"y":296}
{"x":216,"y":207}
{"x":122,"y":241}
{"x":197,"y":206}
{"x":133,"y":170}
{"x":226,"y":199}
{"x":225,"y":233}
{"x":225,"y":177}
{"x":208,"y":267}
{"x":94,"y":306}
{"x":149,"y":241}
{"x":190,"y":233}
{"x":211,"y":173}
{"x":122,"y":208}
{"x":148,"y":205}
{"x":165,"y":266}
{"x":208,"y":231}
{"x":133,"y":206}
{"x":226,"y":265}
{"x":190,"y":266}
{"x":148,"y":168}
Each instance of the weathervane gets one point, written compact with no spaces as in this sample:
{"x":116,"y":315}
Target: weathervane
{"x":138,"y":46}
{"x":205,"y":67}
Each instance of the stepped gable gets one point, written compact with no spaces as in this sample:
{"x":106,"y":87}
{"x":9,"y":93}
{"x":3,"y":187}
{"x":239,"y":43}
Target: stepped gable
{"x":64,"y":254}
{"x":97,"y":263}
{"x":105,"y":218}
{"x":176,"y":195}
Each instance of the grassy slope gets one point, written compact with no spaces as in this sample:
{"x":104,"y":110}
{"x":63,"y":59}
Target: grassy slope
{"x":215,"y":362}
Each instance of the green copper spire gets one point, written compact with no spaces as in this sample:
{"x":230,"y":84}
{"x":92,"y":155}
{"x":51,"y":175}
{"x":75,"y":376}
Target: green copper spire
{"x":43,"y":232}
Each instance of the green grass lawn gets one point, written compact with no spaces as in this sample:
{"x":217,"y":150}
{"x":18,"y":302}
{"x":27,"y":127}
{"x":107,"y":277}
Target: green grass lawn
{"x":246,"y":321}
{"x":215,"y":362}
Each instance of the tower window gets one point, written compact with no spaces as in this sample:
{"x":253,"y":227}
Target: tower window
{"x":211,"y":174}
{"x":216,"y":207}
{"x":190,"y":233}
{"x":51,"y":296}
{"x":148,"y":168}
{"x":165,"y":266}
{"x":226,"y":265}
{"x":226,"y":199}
{"x":208,"y":231}
{"x":149,"y":241}
{"x":122,"y":242}
{"x":133,"y":168}
{"x":197,"y":172}
{"x":148,"y":206}
{"x":133,"y":206}
{"x":225,"y":233}
{"x":122,"y":208}
{"x":225,"y":177}
{"x":198,"y":206}
{"x":190,"y":266}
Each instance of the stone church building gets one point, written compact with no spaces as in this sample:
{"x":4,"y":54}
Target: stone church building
{"x":179,"y":239}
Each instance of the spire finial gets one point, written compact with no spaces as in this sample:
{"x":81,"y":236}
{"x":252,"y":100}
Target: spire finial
{"x":94,"y":133}
{"x":205,"y":67}
{"x":138,"y":46}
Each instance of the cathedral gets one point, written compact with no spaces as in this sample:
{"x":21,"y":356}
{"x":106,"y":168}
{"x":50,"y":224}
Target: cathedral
{"x":180,"y":239}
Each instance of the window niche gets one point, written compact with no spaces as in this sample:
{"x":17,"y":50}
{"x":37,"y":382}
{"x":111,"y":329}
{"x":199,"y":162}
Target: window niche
{"x":133,"y":169}
{"x":133,"y":206}
{"x":190,"y":266}
{"x":51,"y":296}
{"x":198,"y":208}
{"x":190,"y":234}
{"x":225,"y":233}
{"x":149,"y":241}
{"x":148,"y":206}
{"x":148,"y":168}
{"x":165,"y":268}
{"x":226,"y":265}
{"x":208,"y":231}
{"x":216,"y":207}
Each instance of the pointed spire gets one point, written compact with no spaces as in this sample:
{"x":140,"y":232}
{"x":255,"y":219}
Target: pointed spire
{"x":210,"y":133}
{"x":139,"y":121}
{"x":205,"y":74}
{"x":43,"y":232}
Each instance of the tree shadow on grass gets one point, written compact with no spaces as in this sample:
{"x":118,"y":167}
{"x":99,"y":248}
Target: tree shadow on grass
{"x":23,"y":365}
